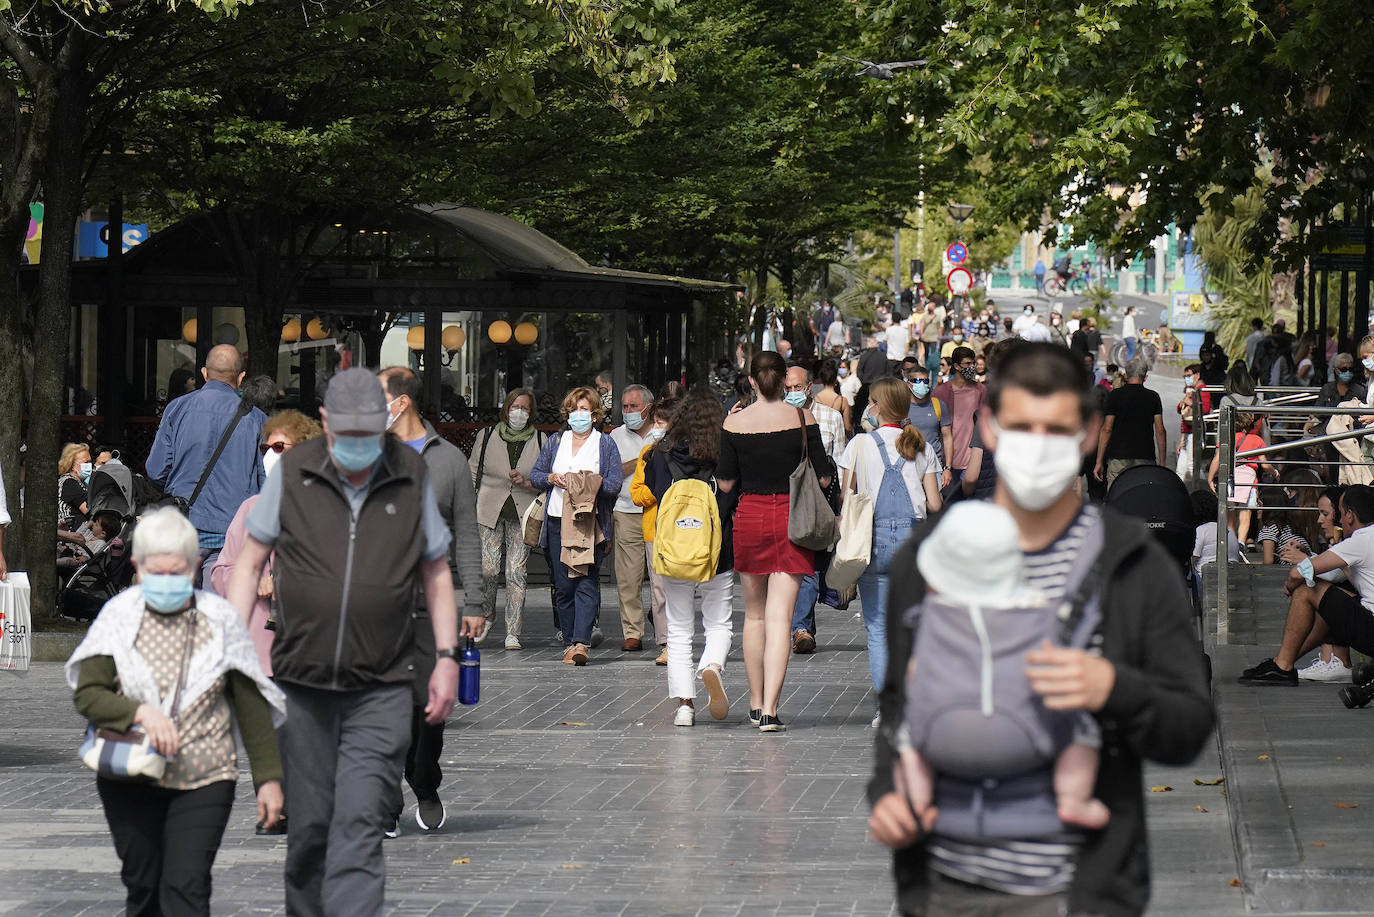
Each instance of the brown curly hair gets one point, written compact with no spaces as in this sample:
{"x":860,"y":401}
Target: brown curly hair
{"x":293,"y":424}
{"x":593,"y":398}
{"x":696,"y":421}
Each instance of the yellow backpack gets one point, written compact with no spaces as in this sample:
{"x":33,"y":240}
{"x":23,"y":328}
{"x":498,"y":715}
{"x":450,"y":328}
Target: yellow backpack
{"x":687,"y":540}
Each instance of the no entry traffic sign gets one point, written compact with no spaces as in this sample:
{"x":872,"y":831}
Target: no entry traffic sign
{"x":959,"y":281}
{"x":957,"y":253}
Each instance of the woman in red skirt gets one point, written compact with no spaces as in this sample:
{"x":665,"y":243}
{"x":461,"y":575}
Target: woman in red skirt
{"x":760,"y":448}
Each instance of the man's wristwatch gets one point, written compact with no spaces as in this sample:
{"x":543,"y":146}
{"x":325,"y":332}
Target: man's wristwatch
{"x":450,"y":653}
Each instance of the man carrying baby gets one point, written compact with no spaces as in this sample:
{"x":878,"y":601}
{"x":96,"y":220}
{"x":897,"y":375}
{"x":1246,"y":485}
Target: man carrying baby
{"x":1141,"y":676}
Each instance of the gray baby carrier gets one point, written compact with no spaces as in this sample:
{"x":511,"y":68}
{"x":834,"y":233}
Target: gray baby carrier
{"x":971,"y":714}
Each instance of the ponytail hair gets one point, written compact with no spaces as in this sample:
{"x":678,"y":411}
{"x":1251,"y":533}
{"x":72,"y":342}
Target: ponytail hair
{"x":768,"y":370}
{"x":893,"y":399}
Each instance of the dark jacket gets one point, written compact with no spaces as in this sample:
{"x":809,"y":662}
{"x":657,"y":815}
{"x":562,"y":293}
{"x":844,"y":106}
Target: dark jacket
{"x":347,"y":587}
{"x":451,"y":479}
{"x":1330,"y":396}
{"x":1158,"y":709}
{"x":872,"y":366}
{"x":658,"y":477}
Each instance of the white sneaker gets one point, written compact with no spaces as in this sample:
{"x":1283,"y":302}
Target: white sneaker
{"x":1332,"y":670}
{"x":686,"y":716}
{"x":877,"y":721}
{"x":513,"y":642}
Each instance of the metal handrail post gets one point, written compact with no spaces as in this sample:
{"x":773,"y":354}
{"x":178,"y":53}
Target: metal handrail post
{"x":1199,"y":438}
{"x":1226,"y":448}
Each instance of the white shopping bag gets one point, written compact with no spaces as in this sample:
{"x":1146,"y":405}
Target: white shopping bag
{"x":16,"y":627}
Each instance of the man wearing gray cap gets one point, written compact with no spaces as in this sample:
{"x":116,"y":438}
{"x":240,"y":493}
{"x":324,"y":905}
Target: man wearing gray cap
{"x":339,"y":514}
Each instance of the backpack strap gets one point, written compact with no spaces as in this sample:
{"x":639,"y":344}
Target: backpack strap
{"x":1081,"y":614}
{"x":939,"y":415}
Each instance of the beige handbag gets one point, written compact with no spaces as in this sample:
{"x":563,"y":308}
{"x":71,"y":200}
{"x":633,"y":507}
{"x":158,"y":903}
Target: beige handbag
{"x":532,"y":522}
{"x":854,"y":550}
{"x":810,"y":520}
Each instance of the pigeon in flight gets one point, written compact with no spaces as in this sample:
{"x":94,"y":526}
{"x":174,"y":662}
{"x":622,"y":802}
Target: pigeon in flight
{"x":883,"y":71}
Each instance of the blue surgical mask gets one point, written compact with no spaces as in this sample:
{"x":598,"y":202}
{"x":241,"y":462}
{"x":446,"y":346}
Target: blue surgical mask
{"x":1368,"y":363}
{"x":655,"y":434}
{"x":872,"y":421}
{"x":920,"y":388}
{"x":166,"y":592}
{"x":580,"y":421}
{"x":795,"y":399}
{"x":634,"y":419}
{"x":356,"y":453}
{"x":1345,"y":376}
{"x":85,"y":471}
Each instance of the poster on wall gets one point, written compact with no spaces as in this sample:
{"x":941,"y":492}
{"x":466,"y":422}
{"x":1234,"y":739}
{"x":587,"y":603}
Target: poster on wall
{"x":1189,"y":310}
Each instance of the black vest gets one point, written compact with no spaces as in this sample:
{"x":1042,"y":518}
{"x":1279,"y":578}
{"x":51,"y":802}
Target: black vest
{"x":346,"y":587}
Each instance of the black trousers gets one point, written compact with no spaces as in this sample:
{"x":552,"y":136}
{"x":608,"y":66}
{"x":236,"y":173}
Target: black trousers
{"x":166,"y":841}
{"x":422,"y":770}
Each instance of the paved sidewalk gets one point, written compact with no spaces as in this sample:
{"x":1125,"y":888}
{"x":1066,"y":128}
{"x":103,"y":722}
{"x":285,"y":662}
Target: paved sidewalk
{"x":571,"y":793}
{"x":1297,"y":767}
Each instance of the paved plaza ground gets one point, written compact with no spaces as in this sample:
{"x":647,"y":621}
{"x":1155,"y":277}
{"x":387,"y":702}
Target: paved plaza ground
{"x":571,"y":793}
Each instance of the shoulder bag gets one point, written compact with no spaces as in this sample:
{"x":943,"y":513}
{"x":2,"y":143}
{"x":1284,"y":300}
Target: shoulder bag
{"x":810,"y":521}
{"x":854,"y":551}
{"x":130,"y":756}
{"x":184,"y":504}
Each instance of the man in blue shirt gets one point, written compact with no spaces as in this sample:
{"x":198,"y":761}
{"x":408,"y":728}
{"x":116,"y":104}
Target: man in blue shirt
{"x":929,"y":415}
{"x":191,"y":428}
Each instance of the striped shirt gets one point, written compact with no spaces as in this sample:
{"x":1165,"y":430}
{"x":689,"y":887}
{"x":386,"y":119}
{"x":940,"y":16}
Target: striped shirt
{"x":1043,"y":866}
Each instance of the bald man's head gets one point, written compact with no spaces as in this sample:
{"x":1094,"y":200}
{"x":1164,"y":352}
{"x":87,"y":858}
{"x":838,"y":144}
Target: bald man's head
{"x":224,"y":364}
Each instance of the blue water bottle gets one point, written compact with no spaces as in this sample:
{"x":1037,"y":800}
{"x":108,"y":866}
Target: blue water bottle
{"x":469,"y":675}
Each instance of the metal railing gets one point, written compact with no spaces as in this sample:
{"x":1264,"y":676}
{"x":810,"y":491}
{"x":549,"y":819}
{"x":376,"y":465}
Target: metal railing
{"x":1227,"y":457}
{"x":1204,"y":426}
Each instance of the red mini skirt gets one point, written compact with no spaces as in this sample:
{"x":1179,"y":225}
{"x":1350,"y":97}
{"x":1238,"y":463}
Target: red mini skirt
{"x":761,"y":542}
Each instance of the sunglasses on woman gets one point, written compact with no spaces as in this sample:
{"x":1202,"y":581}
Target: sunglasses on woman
{"x":278,"y":448}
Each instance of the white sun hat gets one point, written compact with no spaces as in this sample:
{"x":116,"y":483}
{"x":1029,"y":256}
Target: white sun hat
{"x":974,"y":555}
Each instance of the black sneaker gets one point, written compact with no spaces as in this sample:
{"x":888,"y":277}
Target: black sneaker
{"x":755,"y":714}
{"x":770,"y":723}
{"x":430,"y":814}
{"x":1268,"y":673}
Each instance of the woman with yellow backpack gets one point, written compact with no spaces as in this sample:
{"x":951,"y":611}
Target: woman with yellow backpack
{"x":692,"y":547}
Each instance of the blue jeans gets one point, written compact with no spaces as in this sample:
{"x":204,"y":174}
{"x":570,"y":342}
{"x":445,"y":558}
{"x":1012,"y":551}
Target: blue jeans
{"x":1130,"y":348}
{"x":576,"y":600}
{"x":804,"y":613}
{"x":888,"y":536}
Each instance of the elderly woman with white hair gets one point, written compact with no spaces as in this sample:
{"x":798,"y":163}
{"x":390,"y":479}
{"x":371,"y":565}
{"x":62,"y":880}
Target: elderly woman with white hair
{"x":177,"y":665}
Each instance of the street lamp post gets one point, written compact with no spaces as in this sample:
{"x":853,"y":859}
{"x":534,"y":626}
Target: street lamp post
{"x":959,"y":213}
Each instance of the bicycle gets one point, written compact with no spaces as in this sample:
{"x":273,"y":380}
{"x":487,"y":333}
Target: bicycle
{"x":1058,"y":284}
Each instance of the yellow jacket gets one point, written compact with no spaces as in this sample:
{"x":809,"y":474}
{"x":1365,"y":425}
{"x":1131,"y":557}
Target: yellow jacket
{"x":643,"y":496}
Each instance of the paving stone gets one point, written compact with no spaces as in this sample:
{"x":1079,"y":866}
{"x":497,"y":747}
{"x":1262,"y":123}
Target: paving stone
{"x":625,"y":815}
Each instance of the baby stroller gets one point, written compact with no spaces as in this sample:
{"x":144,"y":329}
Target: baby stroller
{"x":111,"y":488}
{"x":1158,"y":497}
{"x":99,"y":579}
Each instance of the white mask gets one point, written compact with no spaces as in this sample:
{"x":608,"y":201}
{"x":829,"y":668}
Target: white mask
{"x":389,"y":418}
{"x":517,"y":418}
{"x":656,"y":434}
{"x":1037,"y":467}
{"x":269,"y":461}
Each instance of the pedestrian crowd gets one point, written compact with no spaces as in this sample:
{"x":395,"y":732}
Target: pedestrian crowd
{"x":302,"y":593}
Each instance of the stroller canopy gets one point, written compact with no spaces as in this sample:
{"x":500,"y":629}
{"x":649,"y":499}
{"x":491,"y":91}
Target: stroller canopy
{"x":1158,"y":496}
{"x":111,"y":488}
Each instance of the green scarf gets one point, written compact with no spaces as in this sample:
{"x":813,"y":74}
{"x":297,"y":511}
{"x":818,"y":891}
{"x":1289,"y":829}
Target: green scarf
{"x":513,"y":436}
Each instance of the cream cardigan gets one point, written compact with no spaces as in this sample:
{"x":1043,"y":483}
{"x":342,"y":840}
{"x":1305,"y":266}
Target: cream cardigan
{"x":495,"y":486}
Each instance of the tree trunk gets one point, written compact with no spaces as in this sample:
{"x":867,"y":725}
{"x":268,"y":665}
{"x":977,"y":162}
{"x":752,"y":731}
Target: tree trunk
{"x":62,"y":186}
{"x":13,"y":384}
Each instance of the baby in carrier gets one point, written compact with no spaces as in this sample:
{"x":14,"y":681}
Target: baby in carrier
{"x":977,"y":741}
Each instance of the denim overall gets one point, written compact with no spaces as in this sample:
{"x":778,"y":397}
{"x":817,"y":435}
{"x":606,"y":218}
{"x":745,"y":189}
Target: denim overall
{"x":894,"y":516}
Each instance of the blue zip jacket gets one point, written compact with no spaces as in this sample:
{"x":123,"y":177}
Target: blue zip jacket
{"x":190,"y":429}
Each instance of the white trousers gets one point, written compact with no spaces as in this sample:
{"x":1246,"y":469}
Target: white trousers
{"x":1184,"y":465}
{"x":717,"y":600}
